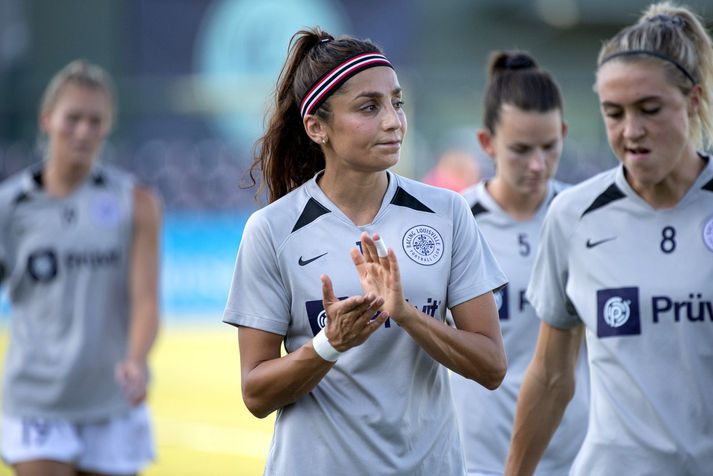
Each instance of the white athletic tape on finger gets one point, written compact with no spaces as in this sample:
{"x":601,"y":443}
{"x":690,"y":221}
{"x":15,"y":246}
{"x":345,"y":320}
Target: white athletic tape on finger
{"x":381,"y":248}
{"x":323,"y":348}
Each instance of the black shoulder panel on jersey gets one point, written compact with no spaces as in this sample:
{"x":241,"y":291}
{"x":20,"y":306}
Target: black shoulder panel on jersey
{"x":99,"y":180}
{"x":2,"y":271}
{"x":20,"y":198}
{"x":611,"y":194}
{"x":477,"y":209}
{"x":37,"y":177}
{"x":553,"y":197}
{"x":311,"y":212}
{"x":404,"y":199}
{"x":708,"y":186}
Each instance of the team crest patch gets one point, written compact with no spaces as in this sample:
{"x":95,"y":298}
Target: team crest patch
{"x":708,"y":233}
{"x":423,"y":244}
{"x":105,"y":211}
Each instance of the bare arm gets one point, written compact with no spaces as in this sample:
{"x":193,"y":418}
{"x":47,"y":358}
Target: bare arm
{"x":132,"y":373}
{"x":270,"y":382}
{"x":475,"y":349}
{"x":547,"y":389}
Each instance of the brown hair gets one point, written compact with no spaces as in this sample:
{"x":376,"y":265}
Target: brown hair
{"x":678,"y":39}
{"x":514,"y":78}
{"x":285,"y":156}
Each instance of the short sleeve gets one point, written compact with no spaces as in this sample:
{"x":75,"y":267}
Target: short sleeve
{"x":548,"y":283}
{"x":474,"y":269}
{"x":257,"y":295}
{"x":4,"y":244}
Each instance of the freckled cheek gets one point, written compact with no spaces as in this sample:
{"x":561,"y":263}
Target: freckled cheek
{"x":678,"y":127}
{"x":358,"y":133}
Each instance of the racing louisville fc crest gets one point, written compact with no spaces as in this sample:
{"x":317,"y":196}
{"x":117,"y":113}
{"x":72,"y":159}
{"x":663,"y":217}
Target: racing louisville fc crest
{"x":423,"y":244}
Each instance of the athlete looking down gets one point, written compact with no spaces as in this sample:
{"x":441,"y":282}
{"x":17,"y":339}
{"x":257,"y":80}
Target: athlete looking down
{"x":626,"y":257}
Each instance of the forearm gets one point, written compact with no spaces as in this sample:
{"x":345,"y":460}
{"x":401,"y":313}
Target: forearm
{"x":144,"y":275}
{"x":271,"y":381}
{"x":540,"y":406}
{"x":278,"y":382}
{"x":471,"y":354}
{"x":143,"y":329}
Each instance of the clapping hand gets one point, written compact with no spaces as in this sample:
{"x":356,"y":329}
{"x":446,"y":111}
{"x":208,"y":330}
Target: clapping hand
{"x":380,"y":275}
{"x":350,"y":321}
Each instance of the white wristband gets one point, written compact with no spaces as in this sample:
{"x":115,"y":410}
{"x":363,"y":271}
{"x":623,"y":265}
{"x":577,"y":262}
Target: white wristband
{"x":323,"y":348}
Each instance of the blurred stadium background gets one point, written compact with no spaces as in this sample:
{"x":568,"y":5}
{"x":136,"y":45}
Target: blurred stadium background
{"x":194,"y":79}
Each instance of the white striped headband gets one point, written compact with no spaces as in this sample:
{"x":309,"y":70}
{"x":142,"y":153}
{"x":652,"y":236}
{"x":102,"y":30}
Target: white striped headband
{"x":330,"y":82}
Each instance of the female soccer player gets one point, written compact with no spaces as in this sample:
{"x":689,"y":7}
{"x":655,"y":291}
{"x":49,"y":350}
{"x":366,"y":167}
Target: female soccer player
{"x":363,"y":387}
{"x":523,"y":132}
{"x":626,"y":257}
{"x":79,"y":253}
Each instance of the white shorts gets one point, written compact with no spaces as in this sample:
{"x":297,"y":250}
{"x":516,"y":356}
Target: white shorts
{"x":120,"y":445}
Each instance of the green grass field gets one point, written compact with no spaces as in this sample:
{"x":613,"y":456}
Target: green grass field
{"x":201,"y":424}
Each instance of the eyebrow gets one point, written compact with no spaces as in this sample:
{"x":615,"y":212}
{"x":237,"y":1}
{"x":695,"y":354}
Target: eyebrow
{"x":520,"y":143}
{"x":376,"y":94}
{"x":638,"y":101}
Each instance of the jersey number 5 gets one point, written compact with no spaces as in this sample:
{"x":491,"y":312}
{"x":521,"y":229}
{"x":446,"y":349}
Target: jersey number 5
{"x":523,"y":244}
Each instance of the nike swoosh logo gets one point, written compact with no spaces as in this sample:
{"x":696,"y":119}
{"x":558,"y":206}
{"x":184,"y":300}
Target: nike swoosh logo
{"x":305,"y":262}
{"x":592,"y":244}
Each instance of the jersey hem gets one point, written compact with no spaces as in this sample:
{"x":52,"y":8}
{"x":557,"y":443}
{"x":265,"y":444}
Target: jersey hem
{"x":78,"y":416}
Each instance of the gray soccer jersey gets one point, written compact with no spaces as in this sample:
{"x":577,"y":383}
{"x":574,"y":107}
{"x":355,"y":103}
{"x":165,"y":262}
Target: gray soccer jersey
{"x":385,"y":407}
{"x":66,"y":272}
{"x":641,"y":281}
{"x":485,"y":418}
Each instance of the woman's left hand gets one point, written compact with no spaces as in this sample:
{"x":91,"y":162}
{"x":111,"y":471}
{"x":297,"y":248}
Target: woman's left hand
{"x":381,"y":276}
{"x":133,"y":377}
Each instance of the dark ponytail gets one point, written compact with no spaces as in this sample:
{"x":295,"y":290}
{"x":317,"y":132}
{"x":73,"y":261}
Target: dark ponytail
{"x":514,"y":78}
{"x":285,"y":156}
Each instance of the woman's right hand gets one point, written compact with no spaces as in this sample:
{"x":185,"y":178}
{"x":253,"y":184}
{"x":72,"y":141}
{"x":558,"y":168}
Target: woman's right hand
{"x":350,"y":321}
{"x":271,"y":381}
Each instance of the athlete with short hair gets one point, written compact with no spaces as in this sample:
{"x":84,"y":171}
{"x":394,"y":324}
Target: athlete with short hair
{"x":524,"y":134}
{"x":79,"y":254}
{"x":363,"y":388}
{"x":627,"y":258}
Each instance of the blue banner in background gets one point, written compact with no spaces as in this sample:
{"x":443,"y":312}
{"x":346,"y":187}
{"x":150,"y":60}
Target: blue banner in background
{"x":197,"y":258}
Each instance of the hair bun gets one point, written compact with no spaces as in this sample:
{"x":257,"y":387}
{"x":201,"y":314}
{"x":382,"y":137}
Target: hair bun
{"x":504,"y":61}
{"x":665,"y":19}
{"x":519,"y":61}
